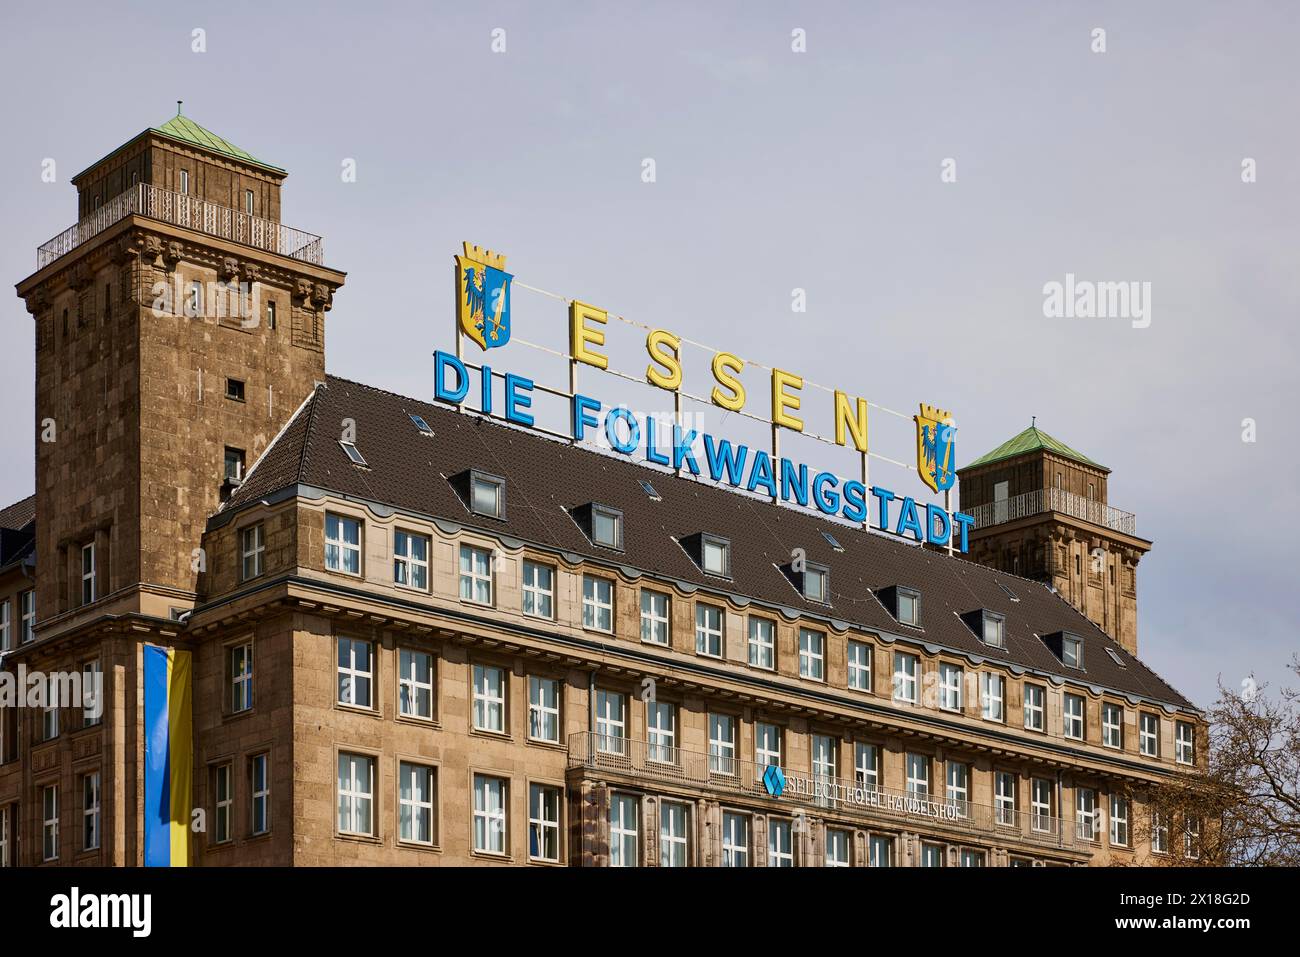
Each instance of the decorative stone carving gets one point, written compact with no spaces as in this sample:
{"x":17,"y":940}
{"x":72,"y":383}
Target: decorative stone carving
{"x":229,"y":269}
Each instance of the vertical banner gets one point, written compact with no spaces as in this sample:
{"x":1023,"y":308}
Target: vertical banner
{"x":168,"y":757}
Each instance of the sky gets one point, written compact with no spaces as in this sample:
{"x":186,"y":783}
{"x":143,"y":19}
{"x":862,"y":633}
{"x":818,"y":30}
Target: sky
{"x":921,"y":171}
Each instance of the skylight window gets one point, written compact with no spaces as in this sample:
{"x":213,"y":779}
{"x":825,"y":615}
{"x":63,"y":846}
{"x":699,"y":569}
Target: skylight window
{"x":420,"y":424}
{"x":1010,"y":594}
{"x":832,"y":541}
{"x":649,"y":490}
{"x":1116,"y":658}
{"x":353,"y":454}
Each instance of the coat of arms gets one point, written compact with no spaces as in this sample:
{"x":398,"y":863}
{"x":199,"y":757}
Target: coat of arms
{"x":936,"y":448}
{"x":483,"y":296}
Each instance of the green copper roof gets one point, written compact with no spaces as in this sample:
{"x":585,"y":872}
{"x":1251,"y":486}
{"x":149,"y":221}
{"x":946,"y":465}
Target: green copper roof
{"x":1033,"y":439}
{"x":185,"y":129}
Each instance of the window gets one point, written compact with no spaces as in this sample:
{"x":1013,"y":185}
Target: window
{"x":87,"y":573}
{"x":233,"y":469}
{"x":1072,"y":715}
{"x":812,"y":654}
{"x":654,"y":617}
{"x":1184,"y":742}
{"x":1071,"y":652}
{"x":1192,"y":839}
{"x":356,"y":794}
{"x":735,"y":839}
{"x":354,"y":672}
{"x":715,"y":555}
{"x":950,"y":685}
{"x":611,"y":721}
{"x":1118,"y":820}
{"x":958,"y":787}
{"x":881,"y":850}
{"x":994,"y":630}
{"x":708,"y":630}
{"x":489,"y":699}
{"x":543,"y":822}
{"x":606,"y":526}
{"x":918,"y":775}
{"x":649,"y":490}
{"x":932,"y":855}
{"x":270,"y":313}
{"x":905,"y":673}
{"x":50,"y":823}
{"x":1159,"y":833}
{"x":767,"y":744}
{"x":597,"y":603}
{"x":415,"y":684}
{"x":92,"y":695}
{"x":762,"y":643}
{"x":223,"y":792}
{"x":185,"y":181}
{"x":411,"y":560}
{"x":780,"y":847}
{"x":1085,"y":813}
{"x":194,"y":302}
{"x":992,"y":694}
{"x":6,"y":626}
{"x":832,"y":541}
{"x":235,"y":389}
{"x":241,"y":677}
{"x":489,"y":814}
{"x":661,"y":732}
{"x":672,"y":834}
{"x":866,"y":765}
{"x":353,"y":453}
{"x":415,"y":803}
{"x":260,"y":792}
{"x":251,"y":549}
{"x":859,"y":666}
{"x":475,"y":575}
{"x":248,"y":201}
{"x":1004,"y":798}
{"x":50,"y":720}
{"x":1112,"y":725}
{"x":816,"y":583}
{"x":722,"y":744}
{"x":539,"y":590}
{"x":487,"y":495}
{"x":909,"y":607}
{"x":342,"y":544}
{"x":971,"y":858}
{"x":1041,"y":804}
{"x":1034,"y":709}
{"x":4,"y":838}
{"x":837,"y":847}
{"x":90,"y":812}
{"x":27,"y":625}
{"x":544,"y":709}
{"x":624,"y":817}
{"x":1149,"y":734}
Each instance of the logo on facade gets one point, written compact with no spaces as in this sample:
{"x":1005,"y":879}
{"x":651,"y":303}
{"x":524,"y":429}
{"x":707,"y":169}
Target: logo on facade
{"x":483,"y":296}
{"x":774,"y":781}
{"x":936,"y":448}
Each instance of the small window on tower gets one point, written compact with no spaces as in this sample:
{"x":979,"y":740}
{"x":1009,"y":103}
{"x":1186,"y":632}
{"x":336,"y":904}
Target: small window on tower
{"x":185,"y":181}
{"x":194,"y":302}
{"x":235,"y":389}
{"x":234,"y":467}
{"x":270,"y":313}
{"x":248,"y":201}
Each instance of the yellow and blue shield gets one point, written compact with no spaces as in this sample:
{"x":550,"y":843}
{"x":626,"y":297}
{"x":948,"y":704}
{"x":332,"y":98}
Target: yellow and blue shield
{"x":936,"y":448}
{"x":483,"y":296}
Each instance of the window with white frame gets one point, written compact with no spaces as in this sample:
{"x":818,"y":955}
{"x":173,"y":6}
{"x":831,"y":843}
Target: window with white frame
{"x":1040,"y":803}
{"x":958,"y":787}
{"x":544,"y":709}
{"x":866,"y":765}
{"x":1149,"y":734}
{"x":762,"y":642}
{"x":859,"y":655}
{"x":654,"y":617}
{"x":489,"y":698}
{"x":223,"y":791}
{"x":992,"y":696}
{"x":932,"y":855}
{"x":475,"y":575}
{"x":1184,"y":742}
{"x":1112,"y":725}
{"x":606,"y":526}
{"x":92,"y":694}
{"x":708,"y":630}
{"x":355,"y":672}
{"x":1192,"y":839}
{"x":611,"y":721}
{"x":715,"y":555}
{"x":1004,"y":798}
{"x":1159,"y":833}
{"x":909,"y":606}
{"x":735,"y":839}
{"x":260,"y":793}
{"x":816,"y":583}
{"x":539,"y":590}
{"x":6,"y":626}
{"x":597,"y":603}
{"x":722,"y":744}
{"x":1072,"y":715}
{"x":1071,"y":652}
{"x":88,"y":573}
{"x":27,"y":624}
{"x":767,"y":744}
{"x":1035,"y":697}
{"x":342,"y":544}
{"x":544,"y":822}
{"x":490,"y":820}
{"x":241,"y":677}
{"x":252,"y":550}
{"x":824,"y":768}
{"x":837,"y":847}
{"x":50,"y":720}
{"x":487,"y":495}
{"x":994,"y":630}
{"x":624,"y":830}
{"x":90,"y":811}
{"x":411,"y":560}
{"x":906,"y":672}
{"x":951,"y":679}
{"x":1119,"y":820}
{"x":780,"y":846}
{"x":415,"y":684}
{"x":971,"y":858}
{"x":415,"y":784}
{"x":881,"y":850}
{"x":661,"y":732}
{"x":356,"y":794}
{"x":50,"y":822}
{"x":673,"y":845}
{"x":918,"y":774}
{"x":812,"y":654}
{"x":1085,"y":813}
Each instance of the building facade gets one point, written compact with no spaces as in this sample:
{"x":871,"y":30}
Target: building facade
{"x":422,"y":637}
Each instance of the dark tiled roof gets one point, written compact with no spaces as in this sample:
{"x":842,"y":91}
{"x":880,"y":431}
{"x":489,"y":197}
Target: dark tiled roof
{"x":410,"y":471}
{"x":17,"y":530}
{"x":19,"y":515}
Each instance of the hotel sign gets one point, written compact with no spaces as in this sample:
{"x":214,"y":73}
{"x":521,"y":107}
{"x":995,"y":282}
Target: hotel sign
{"x":778,"y":783}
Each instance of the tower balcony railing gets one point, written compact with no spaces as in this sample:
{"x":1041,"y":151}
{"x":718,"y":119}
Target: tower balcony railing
{"x":721,"y":775}
{"x":181,"y":209}
{"x":1053,"y":500}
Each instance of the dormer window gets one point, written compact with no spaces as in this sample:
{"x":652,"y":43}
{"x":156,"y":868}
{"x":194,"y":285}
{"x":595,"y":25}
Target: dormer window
{"x":487,"y":494}
{"x":715,"y":555}
{"x":903,"y":603}
{"x":816,"y":583}
{"x":989,"y":626}
{"x":606,"y":526}
{"x":1071,"y":651}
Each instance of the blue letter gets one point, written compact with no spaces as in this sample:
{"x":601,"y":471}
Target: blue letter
{"x":442,"y":361}
{"x":908,"y":520}
{"x":855,"y":501}
{"x":652,"y":453}
{"x":682,"y":449}
{"x":963,"y":521}
{"x":722,"y":458}
{"x":885,"y":496}
{"x":515,"y":402}
{"x":931,"y":513}
{"x":828,"y":502}
{"x":485,"y":390}
{"x":582,"y":403}
{"x":633,"y":430}
{"x":761,"y":474}
{"x":800,"y":483}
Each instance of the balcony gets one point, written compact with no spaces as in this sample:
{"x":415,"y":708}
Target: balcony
{"x":1054,"y":500}
{"x":640,"y":763}
{"x":179,"y":209}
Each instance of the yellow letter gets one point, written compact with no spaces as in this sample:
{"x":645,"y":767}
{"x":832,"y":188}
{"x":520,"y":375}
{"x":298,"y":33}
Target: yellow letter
{"x":725,"y":369}
{"x":782,"y":400}
{"x":856,"y":421}
{"x":580,"y":334}
{"x":672,"y":379}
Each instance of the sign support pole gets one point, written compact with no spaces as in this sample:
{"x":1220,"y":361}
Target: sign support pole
{"x":776,"y":462}
{"x":866,"y":483}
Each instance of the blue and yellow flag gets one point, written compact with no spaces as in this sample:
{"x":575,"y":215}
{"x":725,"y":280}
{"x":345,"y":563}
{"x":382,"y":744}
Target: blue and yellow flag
{"x":168,"y":757}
